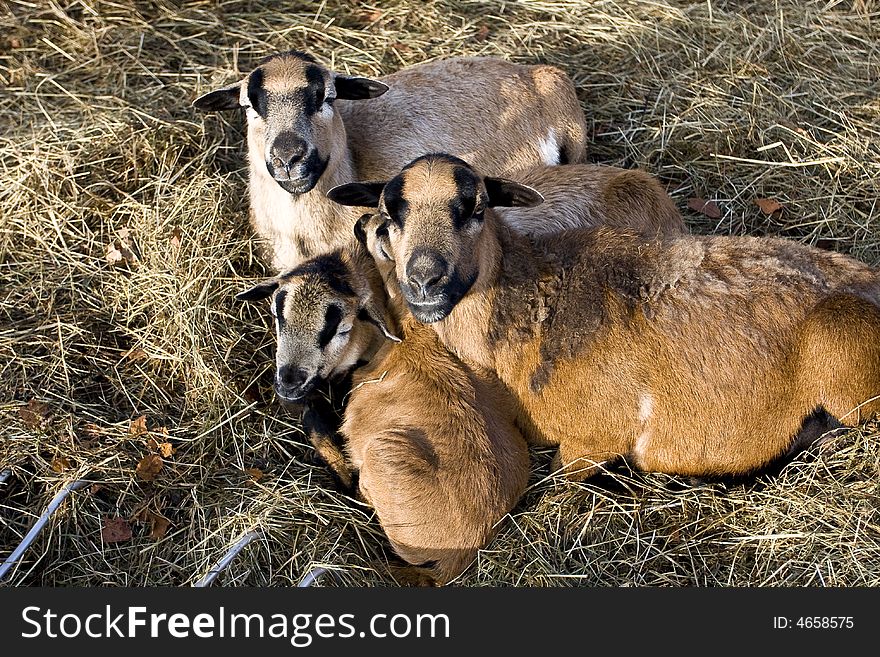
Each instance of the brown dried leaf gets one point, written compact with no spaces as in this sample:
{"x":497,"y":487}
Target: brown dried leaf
{"x":113,"y":255}
{"x":252,"y":393}
{"x":158,"y":526}
{"x":138,"y":426}
{"x":768,"y":205}
{"x":135,"y":353}
{"x":254,"y":473}
{"x":369,"y":16}
{"x":34,"y":413}
{"x":92,"y":430}
{"x":149,"y":467}
{"x":483,"y":33}
{"x":60,"y":464}
{"x":116,"y":530}
{"x":708,"y":208}
{"x":165,"y":449}
{"x":158,"y":523}
{"x":175,"y":239}
{"x":127,"y":253}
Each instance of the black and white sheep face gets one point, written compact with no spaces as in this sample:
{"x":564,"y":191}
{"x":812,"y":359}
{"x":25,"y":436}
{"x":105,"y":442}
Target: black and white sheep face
{"x":292,"y":124}
{"x":322,"y":325}
{"x":430,"y":223}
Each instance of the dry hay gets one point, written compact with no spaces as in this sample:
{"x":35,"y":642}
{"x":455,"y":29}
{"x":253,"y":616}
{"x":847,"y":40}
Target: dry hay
{"x":727,"y":101}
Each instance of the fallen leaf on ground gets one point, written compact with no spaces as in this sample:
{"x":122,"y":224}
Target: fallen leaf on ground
{"x":158,"y":526}
{"x":92,"y":430}
{"x":135,"y":353}
{"x":138,"y":426}
{"x":60,"y":464}
{"x":115,"y":530}
{"x":113,"y":255}
{"x":34,"y":413}
{"x":149,"y":467}
{"x":175,"y":238}
{"x":126,"y":252}
{"x":768,"y":205}
{"x":158,"y":523}
{"x":369,"y":16}
{"x":708,"y":208}
{"x":163,"y":449}
{"x":255,"y":473}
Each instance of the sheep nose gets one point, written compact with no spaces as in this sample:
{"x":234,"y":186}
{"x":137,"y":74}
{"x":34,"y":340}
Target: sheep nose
{"x":425,"y":271}
{"x":287,"y":150}
{"x":291,"y":381}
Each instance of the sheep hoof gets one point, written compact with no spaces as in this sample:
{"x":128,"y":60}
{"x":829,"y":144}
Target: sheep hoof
{"x":408,"y":575}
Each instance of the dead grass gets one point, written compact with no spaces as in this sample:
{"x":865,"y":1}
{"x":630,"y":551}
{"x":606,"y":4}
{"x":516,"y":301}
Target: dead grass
{"x":728,"y":101}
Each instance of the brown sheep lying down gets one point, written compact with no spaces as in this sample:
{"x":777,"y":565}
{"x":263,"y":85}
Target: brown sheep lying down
{"x":689,"y":355}
{"x":432,"y":439}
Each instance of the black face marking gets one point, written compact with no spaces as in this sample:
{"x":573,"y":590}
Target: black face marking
{"x":466,"y":189}
{"x":329,"y":268}
{"x":396,"y":206}
{"x":313,"y":168}
{"x":280,"y":298}
{"x":257,"y":95}
{"x":453,"y":292}
{"x":314,"y":93}
{"x":331,"y":322}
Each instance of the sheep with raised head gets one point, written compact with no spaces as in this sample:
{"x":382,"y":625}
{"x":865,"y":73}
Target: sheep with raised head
{"x":310,"y":128}
{"x":699,"y":356}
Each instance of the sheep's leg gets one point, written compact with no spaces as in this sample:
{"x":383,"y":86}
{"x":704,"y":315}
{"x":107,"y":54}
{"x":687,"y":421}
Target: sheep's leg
{"x":319,"y":423}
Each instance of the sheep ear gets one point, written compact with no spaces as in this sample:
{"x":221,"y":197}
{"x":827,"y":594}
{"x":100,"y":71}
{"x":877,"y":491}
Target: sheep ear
{"x":261,"y":290}
{"x":369,"y":313}
{"x":219,"y":99}
{"x":361,"y":194}
{"x":360,"y":232}
{"x":509,"y":194}
{"x":354,"y":88}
